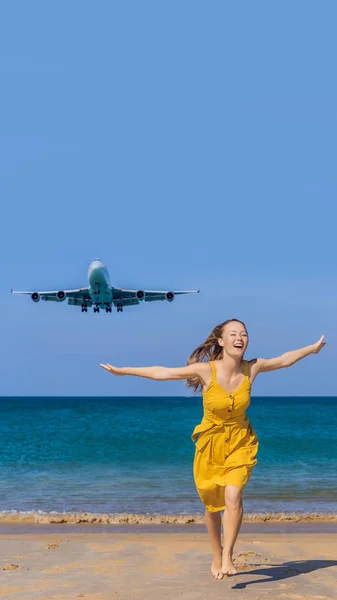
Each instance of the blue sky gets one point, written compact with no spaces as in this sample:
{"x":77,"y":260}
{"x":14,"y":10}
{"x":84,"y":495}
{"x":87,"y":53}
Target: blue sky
{"x":188,"y":145}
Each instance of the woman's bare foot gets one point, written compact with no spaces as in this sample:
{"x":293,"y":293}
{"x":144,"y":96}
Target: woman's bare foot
{"x":227,"y":567}
{"x":216,"y":566}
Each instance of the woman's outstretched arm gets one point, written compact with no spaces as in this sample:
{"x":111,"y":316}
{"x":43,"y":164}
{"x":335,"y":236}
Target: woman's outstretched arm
{"x":161,"y":373}
{"x":261,"y":365}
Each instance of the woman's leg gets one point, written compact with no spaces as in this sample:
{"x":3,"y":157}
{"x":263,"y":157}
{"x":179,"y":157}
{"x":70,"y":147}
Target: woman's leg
{"x":213,"y":522}
{"x":232,"y":520}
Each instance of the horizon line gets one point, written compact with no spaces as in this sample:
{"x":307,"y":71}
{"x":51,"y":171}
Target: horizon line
{"x":158,"y":396}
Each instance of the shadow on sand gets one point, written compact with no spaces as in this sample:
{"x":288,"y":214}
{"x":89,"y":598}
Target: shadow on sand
{"x":284,"y":571}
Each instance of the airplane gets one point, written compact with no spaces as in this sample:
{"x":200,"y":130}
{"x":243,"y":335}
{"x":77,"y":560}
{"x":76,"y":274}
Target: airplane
{"x":102,"y":295}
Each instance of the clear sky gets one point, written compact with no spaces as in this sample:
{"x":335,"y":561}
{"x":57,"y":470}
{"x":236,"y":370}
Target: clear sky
{"x":188,"y":145}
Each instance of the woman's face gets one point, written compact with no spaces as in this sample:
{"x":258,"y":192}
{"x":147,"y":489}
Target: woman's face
{"x":234,"y":339}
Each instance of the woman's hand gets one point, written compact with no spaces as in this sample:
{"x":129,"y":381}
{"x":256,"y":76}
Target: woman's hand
{"x":319,"y":345}
{"x":113,"y":370}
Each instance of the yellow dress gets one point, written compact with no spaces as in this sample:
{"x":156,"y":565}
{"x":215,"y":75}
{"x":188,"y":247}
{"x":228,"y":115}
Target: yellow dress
{"x":226,"y":443}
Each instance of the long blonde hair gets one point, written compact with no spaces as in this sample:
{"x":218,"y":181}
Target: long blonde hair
{"x":207,"y":351}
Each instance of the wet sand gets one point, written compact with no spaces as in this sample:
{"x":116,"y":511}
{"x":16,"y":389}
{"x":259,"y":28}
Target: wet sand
{"x":298,"y":561}
{"x":179,"y":519}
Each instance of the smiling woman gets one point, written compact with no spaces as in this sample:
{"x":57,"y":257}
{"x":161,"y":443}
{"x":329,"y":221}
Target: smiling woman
{"x":211,"y":349}
{"x":226,"y":444}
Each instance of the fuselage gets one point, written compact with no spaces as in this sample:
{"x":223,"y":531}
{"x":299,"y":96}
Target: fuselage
{"x":99,"y":284}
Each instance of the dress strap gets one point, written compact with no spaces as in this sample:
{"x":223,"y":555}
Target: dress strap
{"x":213,"y":371}
{"x":246,"y":368}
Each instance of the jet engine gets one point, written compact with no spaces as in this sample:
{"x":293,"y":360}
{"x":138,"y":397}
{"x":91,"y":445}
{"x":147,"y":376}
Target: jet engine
{"x":140,"y":295}
{"x":35,"y":297}
{"x":169,"y":296}
{"x":61,"y":296}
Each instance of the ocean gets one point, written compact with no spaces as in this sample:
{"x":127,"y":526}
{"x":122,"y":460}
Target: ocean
{"x":135,"y":455}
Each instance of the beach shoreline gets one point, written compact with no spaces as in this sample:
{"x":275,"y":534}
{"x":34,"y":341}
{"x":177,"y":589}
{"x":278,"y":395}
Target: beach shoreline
{"x":156,"y":519}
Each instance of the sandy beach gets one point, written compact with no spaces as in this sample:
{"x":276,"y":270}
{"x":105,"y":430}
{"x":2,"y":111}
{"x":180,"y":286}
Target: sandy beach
{"x":280,"y":561}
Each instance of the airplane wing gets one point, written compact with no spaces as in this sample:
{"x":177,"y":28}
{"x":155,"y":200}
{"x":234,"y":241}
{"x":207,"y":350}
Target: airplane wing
{"x":120,"y":297}
{"x":124,"y":297}
{"x":75,"y":297}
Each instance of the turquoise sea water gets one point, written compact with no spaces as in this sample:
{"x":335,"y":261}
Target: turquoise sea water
{"x":135,"y":455}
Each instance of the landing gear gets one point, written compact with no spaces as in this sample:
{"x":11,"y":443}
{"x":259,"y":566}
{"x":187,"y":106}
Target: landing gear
{"x":108,"y":309}
{"x":119,"y":307}
{"x":84,"y":308}
{"x":96,"y":309}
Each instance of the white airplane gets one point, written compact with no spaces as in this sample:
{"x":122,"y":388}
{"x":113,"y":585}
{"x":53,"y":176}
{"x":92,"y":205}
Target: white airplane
{"x":101,"y":294}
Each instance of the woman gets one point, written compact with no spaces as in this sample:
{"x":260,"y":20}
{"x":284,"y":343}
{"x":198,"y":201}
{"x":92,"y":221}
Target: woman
{"x":226,"y":443}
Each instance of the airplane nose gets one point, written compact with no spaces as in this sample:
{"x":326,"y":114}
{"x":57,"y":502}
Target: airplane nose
{"x":95,"y":264}
{"x":95,"y":269}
